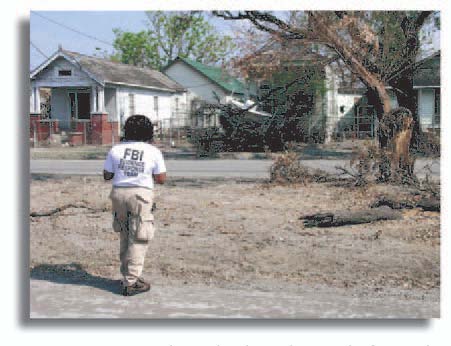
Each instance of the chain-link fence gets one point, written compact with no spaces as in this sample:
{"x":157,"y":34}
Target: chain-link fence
{"x":360,"y":123}
{"x":172,"y":131}
{"x":51,"y":132}
{"x":176,"y":131}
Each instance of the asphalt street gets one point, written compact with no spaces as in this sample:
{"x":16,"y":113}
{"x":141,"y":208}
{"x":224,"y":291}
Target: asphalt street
{"x":71,"y":300}
{"x":210,"y":168}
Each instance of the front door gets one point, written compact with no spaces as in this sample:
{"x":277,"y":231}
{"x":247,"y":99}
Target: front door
{"x":80,"y":105}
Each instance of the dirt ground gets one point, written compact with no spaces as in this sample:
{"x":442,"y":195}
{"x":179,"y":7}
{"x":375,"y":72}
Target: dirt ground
{"x":239,"y":234}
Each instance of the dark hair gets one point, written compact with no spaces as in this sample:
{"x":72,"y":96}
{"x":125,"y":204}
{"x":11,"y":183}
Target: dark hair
{"x":138,"y":128}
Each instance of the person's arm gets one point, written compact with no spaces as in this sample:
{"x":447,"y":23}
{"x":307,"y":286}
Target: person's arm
{"x":107,"y":175}
{"x":159,"y":171}
{"x":108,"y":170}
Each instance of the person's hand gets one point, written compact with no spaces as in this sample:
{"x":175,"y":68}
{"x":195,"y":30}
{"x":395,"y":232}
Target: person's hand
{"x":107,"y":175}
{"x":160,"y":178}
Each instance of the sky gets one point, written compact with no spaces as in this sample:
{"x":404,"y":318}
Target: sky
{"x":46,"y":35}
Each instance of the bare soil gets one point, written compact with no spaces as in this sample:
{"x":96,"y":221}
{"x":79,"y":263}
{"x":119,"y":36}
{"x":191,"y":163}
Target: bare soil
{"x":238,"y":235}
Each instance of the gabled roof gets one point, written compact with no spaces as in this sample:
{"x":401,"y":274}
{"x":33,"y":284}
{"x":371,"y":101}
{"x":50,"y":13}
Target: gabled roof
{"x":427,"y":72}
{"x":105,"y":71}
{"x":215,"y":74}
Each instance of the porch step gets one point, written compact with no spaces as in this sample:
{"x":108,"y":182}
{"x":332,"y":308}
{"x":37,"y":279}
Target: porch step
{"x":64,"y":137}
{"x":55,"y":140}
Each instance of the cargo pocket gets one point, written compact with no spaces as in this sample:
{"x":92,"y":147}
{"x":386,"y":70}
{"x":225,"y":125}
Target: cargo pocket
{"x":148,"y":225}
{"x":141,"y":227}
{"x":143,"y":223}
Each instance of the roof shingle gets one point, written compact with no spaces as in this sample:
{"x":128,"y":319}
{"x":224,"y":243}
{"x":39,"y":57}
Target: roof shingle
{"x":427,"y":72}
{"x":114,"y":72}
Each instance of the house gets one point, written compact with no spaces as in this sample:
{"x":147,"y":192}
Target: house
{"x":205,"y":85}
{"x":296,"y":95}
{"x":92,"y":97}
{"x":426,"y":81}
{"x":349,"y":112}
{"x":332,"y":104}
{"x":346,"y":114}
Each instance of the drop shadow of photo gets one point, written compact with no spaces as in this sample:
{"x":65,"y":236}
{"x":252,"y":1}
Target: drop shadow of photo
{"x":73,"y":274}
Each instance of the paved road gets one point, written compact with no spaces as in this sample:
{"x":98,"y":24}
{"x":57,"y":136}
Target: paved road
{"x":207,"y":168}
{"x":50,"y":299}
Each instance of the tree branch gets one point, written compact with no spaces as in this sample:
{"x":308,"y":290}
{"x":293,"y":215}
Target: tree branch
{"x":421,"y":19}
{"x":259,"y":19}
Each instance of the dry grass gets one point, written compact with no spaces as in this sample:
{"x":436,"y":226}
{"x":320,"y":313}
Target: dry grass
{"x":234,"y":234}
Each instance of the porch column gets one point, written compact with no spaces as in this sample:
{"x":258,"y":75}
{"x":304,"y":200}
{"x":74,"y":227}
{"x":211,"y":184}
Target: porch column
{"x":93,"y":99}
{"x":101,"y":100}
{"x":31,"y":100}
{"x":36,"y":100}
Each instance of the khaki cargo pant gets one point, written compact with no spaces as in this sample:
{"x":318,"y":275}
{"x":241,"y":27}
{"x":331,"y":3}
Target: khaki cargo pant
{"x":133,"y":218}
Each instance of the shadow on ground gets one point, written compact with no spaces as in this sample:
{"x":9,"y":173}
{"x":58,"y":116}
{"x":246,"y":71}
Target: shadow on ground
{"x":73,"y":274}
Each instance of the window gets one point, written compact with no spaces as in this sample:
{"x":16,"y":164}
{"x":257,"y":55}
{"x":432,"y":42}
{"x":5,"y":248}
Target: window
{"x":131,"y":104}
{"x":176,"y":104}
{"x":64,"y":73}
{"x":155,"y":105}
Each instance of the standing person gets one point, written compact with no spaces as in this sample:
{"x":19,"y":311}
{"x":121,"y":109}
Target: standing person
{"x":134,"y":165}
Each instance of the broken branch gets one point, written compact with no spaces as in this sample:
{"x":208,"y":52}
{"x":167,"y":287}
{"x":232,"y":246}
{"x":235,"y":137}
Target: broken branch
{"x":350,"y":218}
{"x":64,"y":207}
{"x":427,"y":204}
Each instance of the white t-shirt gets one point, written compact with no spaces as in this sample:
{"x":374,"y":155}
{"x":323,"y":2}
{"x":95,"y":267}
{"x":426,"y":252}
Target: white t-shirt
{"x":133,"y":164}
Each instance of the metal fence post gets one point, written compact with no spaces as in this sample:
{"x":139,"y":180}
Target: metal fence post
{"x":178,"y":135}
{"x":35,"y":139}
{"x":84,"y":133}
{"x":170,"y":131}
{"x":112,"y":133}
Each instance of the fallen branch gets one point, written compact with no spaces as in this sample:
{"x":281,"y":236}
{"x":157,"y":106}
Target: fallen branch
{"x":350,"y":218}
{"x":402,"y":204}
{"x":64,"y":207}
{"x":359,"y":178}
{"x":345,"y":171}
{"x":427,"y":204}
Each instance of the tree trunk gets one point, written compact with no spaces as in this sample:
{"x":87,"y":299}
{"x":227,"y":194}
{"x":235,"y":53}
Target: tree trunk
{"x":380,"y":99}
{"x":407,"y":97}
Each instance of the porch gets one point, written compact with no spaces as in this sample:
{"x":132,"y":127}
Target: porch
{"x":75,"y":115}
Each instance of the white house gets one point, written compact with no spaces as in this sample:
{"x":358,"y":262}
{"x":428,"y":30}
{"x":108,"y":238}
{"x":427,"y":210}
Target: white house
{"x":82,"y":86}
{"x":426,"y":81}
{"x":206,"y":84}
{"x":340,"y":107}
{"x":348,"y":109}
